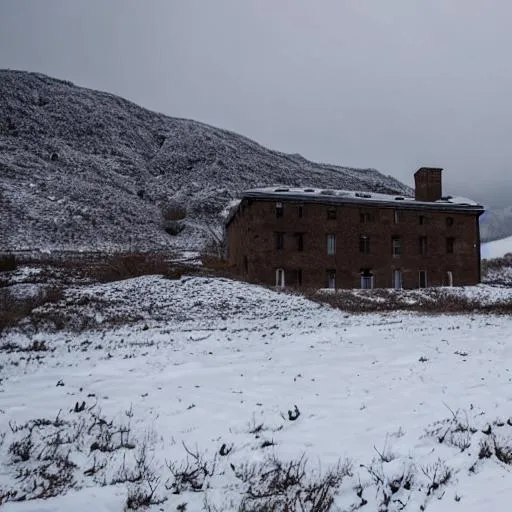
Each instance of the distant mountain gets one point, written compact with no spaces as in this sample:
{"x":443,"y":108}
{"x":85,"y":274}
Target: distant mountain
{"x":496,"y":224}
{"x":82,"y":169}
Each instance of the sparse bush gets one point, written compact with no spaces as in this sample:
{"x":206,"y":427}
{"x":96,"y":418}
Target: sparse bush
{"x":127,"y":265}
{"x":275,"y":485}
{"x":13,"y":309}
{"x":192,"y":475}
{"x":8,"y":262}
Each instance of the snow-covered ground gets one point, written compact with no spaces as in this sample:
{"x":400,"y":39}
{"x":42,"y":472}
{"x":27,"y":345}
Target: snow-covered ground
{"x":496,"y":248}
{"x":420,"y":405}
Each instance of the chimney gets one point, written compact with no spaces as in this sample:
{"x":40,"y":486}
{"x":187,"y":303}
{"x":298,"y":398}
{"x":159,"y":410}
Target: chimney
{"x":427,"y":181}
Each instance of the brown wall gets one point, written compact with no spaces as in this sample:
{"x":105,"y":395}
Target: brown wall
{"x":252,"y":244}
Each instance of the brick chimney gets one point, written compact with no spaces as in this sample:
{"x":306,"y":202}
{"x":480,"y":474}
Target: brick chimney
{"x":427,"y":181}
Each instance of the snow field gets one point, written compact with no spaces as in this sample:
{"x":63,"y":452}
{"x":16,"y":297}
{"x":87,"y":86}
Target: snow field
{"x":209,"y":360}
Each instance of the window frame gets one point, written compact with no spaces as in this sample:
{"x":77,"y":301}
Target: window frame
{"x":331,"y":244}
{"x":364,"y":244}
{"x":450,"y":245}
{"x":396,"y":243}
{"x":279,"y":240}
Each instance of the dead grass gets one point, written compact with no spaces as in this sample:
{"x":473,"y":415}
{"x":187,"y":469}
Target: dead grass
{"x":431,"y":300}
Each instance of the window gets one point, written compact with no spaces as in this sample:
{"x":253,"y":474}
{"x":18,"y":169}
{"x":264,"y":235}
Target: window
{"x":365,"y":217}
{"x":280,"y":278}
{"x":421,"y":220}
{"x":279,"y":241}
{"x":300,"y":241}
{"x":331,"y":245}
{"x":299,"y":211}
{"x":423,"y":245}
{"x":298,"y":277}
{"x":449,"y":278}
{"x":364,"y":244}
{"x":423,"y":279}
{"x":397,"y":216}
{"x":246,"y":264}
{"x":366,"y":279}
{"x":396,"y":246}
{"x":279,"y":209}
{"x":449,"y":221}
{"x":330,"y":279}
{"x":331,"y":213}
{"x":450,"y":242}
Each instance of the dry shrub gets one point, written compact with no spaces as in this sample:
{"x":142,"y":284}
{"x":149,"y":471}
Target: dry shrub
{"x":121,"y":266}
{"x":13,"y":309}
{"x":432,"y":300}
{"x":8,"y":262}
{"x":174,"y":212}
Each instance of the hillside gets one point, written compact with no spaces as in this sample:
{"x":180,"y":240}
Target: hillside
{"x":82,"y":169}
{"x":496,"y":224}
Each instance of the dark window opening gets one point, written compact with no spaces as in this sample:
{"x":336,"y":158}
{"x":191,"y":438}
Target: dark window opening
{"x":450,"y":242}
{"x":396,"y":246}
{"x":299,"y":211}
{"x":423,"y":279}
{"x":330,"y":278}
{"x":423,"y":245}
{"x":279,"y":241}
{"x":421,"y":220}
{"x":449,"y":221}
{"x":331,"y":213}
{"x":246,"y":264}
{"x":398,"y":216}
{"x":298,"y":277}
{"x":279,"y":209}
{"x":300,"y":241}
{"x":364,"y":244}
{"x":365,"y":217}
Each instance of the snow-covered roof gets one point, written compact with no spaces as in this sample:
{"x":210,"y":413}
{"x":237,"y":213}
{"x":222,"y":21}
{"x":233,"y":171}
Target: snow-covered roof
{"x":351,"y":196}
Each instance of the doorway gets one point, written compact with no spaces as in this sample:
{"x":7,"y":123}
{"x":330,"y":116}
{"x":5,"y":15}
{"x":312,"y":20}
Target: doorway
{"x":280,"y":278}
{"x":397,"y":279}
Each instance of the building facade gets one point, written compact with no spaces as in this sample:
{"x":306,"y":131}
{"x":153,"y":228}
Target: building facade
{"x":342,"y":239}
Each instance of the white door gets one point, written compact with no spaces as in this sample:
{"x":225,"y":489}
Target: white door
{"x":280,"y":278}
{"x":397,"y":279}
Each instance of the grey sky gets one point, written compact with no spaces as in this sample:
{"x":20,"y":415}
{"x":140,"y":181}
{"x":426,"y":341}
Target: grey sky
{"x":392,"y":84}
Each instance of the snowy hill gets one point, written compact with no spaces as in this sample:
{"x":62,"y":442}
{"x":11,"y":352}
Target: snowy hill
{"x":496,"y":248}
{"x":82,"y":169}
{"x":192,"y":390}
{"x":496,"y":224}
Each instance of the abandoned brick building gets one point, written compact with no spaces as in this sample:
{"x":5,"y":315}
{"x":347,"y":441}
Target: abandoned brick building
{"x":342,"y":239}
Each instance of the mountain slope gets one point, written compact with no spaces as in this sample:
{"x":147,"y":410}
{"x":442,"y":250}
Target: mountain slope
{"x":496,"y":224}
{"x":82,"y":169}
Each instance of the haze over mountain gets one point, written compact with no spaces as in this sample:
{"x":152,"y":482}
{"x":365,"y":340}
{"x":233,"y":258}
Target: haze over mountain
{"x":87,"y":170}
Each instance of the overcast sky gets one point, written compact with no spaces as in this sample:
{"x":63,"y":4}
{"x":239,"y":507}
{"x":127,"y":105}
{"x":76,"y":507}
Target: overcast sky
{"x":390,"y":84}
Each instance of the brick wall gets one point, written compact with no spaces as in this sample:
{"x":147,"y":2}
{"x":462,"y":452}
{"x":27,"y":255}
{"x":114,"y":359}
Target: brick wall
{"x":253,"y":233}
